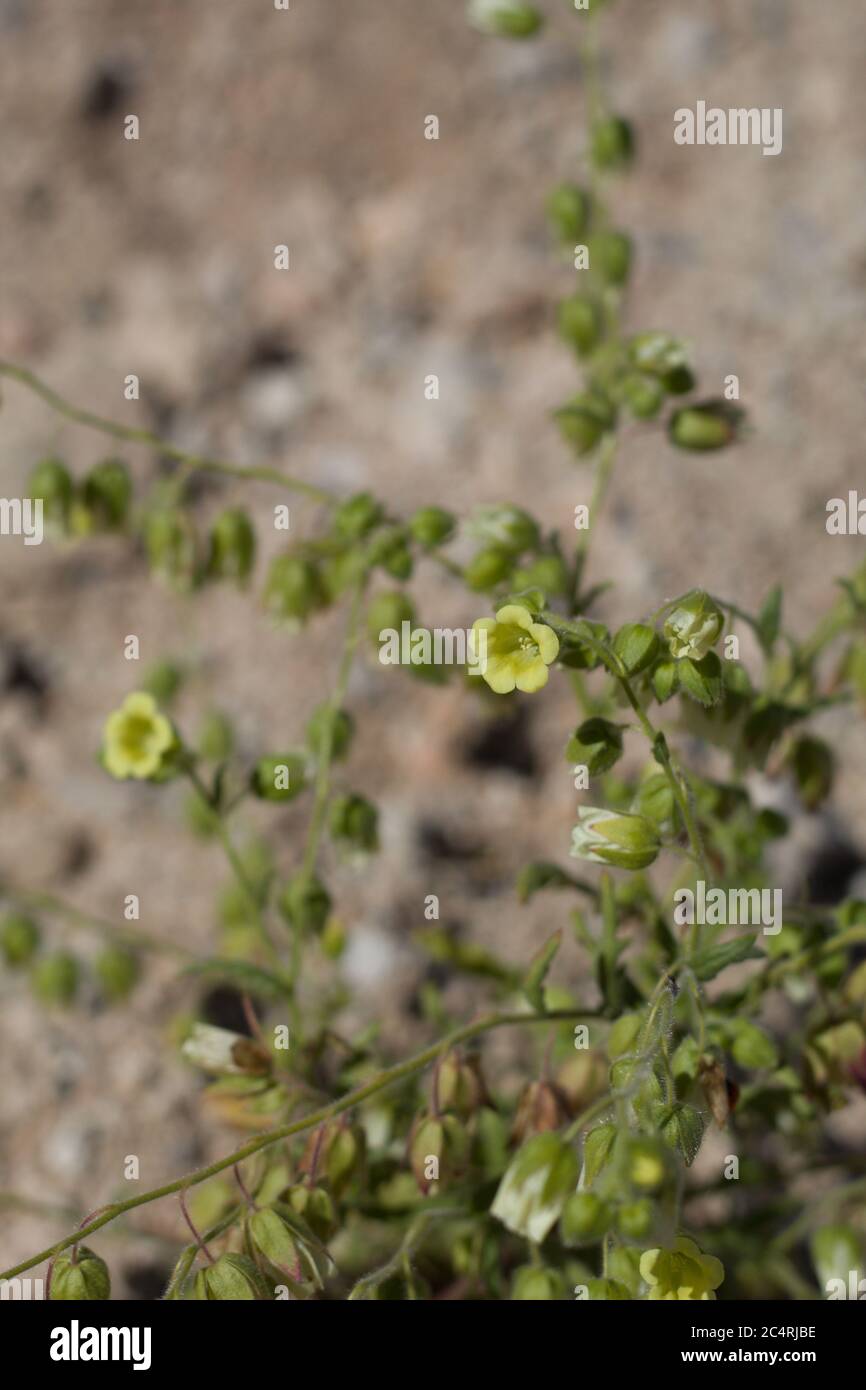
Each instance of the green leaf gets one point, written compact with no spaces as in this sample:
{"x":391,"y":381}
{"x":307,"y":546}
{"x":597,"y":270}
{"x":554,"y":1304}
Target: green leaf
{"x":543,"y":874}
{"x":752,"y":1047}
{"x":684,"y":1130}
{"x":249,"y":979}
{"x":597,"y":1147}
{"x":533,"y":985}
{"x":702,"y":680}
{"x":686,"y":1060}
{"x":636,"y":646}
{"x":769,"y":620}
{"x":709,"y":963}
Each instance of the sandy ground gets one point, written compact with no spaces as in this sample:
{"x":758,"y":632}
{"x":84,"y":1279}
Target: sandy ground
{"x":408,"y":257}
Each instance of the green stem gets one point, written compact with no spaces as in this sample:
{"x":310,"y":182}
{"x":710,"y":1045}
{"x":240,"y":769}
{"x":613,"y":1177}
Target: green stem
{"x":133,"y":435}
{"x":38,"y":901}
{"x":389,"y":1077}
{"x":603,"y":471}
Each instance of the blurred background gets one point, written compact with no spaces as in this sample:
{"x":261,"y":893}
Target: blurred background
{"x":408,"y":257}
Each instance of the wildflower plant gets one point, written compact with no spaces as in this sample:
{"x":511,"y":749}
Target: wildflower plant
{"x":362,"y":1176}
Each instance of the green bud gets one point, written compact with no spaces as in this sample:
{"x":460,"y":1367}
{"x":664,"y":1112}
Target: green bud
{"x":233,"y":1278}
{"x":305,"y":903}
{"x":357,"y":516}
{"x":338,"y":722}
{"x":655,"y":800}
{"x":568,"y":211}
{"x":116,"y":969}
{"x":431,"y":526}
{"x":232,"y":546}
{"x":162,"y":681}
{"x":338,"y":1152}
{"x":584,"y":420}
{"x":333,"y":938}
{"x":581,"y":323}
{"x":665,"y":680}
{"x":646,"y":1165}
{"x":354,"y":822}
{"x":615,"y":838}
{"x":216,"y":737}
{"x":540,"y":1178}
{"x":612,"y":143}
{"x":813,"y":764}
{"x":535,"y":1284}
{"x":106,"y":493}
{"x":488,"y":568}
{"x":388,"y":611}
{"x":279,"y":777}
{"x":610,"y":255}
{"x":635,"y":1219}
{"x":693,"y":626}
{"x":316,"y":1206}
{"x":658,"y":354}
{"x":19,"y":938}
{"x":51,"y":484}
{"x":55,"y":978}
{"x":597,"y":743}
{"x":508,"y":19}
{"x":80,"y":1276}
{"x":585,"y":1219}
{"x":459,"y":1085}
{"x":643,"y":395}
{"x":389,"y":549}
{"x":709,"y":425}
{"x":636,"y":646}
{"x":294,"y":589}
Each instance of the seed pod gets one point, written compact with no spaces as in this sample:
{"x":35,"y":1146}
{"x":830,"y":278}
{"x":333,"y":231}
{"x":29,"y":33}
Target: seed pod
{"x":387,"y":612}
{"x":581,"y":323}
{"x":324,"y":721}
{"x":19,"y":938}
{"x":506,"y":526}
{"x":610,"y":255}
{"x":336,"y":1152}
{"x":459,"y":1085}
{"x":655,"y":800}
{"x":390,"y":550}
{"x":232,"y":546}
{"x":353,"y":822}
{"x":508,"y":19}
{"x":612,"y":143}
{"x":55,"y":978}
{"x":51,"y":484}
{"x":619,"y":839}
{"x":541,"y":1107}
{"x":548,"y":573}
{"x":537,"y":1284}
{"x":316,"y":1206}
{"x":708,"y":425}
{"x":438,"y":1151}
{"x":643,"y":395}
{"x":634,"y":1220}
{"x":305,"y":902}
{"x":233,"y":1278}
{"x":585,"y":1219}
{"x":585,"y":419}
{"x":80,"y":1276}
{"x":294,"y":589}
{"x":597,"y":743}
{"x":606,"y":1290}
{"x":279,"y":777}
{"x":116,"y":969}
{"x":357,"y":516}
{"x":431,"y":526}
{"x":488,"y":568}
{"x":568,"y":211}
{"x":106,"y":493}
{"x":172,"y":546}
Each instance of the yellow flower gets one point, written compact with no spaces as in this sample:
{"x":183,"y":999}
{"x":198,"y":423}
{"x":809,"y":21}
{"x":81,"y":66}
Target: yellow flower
{"x":136,"y":738}
{"x":681,"y":1273}
{"x":511,"y":650}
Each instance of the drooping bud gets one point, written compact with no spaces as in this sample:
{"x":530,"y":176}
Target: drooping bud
{"x":389,"y":548}
{"x":508,"y":19}
{"x":55,"y":978}
{"x":584,"y":420}
{"x":540,"y":1107}
{"x":232,"y":1278}
{"x":51,"y":484}
{"x":387,"y":612}
{"x":106,"y":493}
{"x":568,"y":211}
{"x":353,"y":822}
{"x":336,"y":1152}
{"x":537,"y":1183}
{"x":324,"y":721}
{"x":812,"y":762}
{"x":357,"y":516}
{"x":316,"y":1206}
{"x":116,"y":969}
{"x":537,"y":1284}
{"x":610,"y":255}
{"x":586,"y":1218}
{"x":507,"y":526}
{"x":224,"y":1053}
{"x":438,"y":1151}
{"x":488,"y":568}
{"x":622,"y":840}
{"x":459,"y":1084}
{"x":693,"y":626}
{"x":80,"y":1276}
{"x":643,"y":395}
{"x":172,"y":546}
{"x":294,"y":589}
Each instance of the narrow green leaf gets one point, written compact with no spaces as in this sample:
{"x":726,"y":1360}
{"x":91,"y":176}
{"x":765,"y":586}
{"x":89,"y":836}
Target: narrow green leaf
{"x":533,"y":985}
